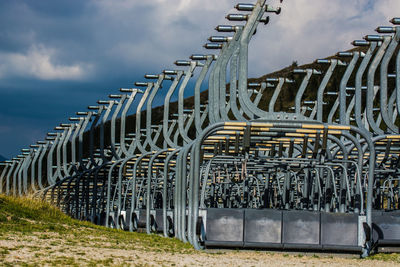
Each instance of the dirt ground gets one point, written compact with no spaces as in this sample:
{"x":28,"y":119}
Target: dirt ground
{"x":54,"y":249}
{"x":35,"y":233}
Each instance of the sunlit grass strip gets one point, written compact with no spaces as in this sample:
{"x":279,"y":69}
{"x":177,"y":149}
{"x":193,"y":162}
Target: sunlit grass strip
{"x":24,"y":215}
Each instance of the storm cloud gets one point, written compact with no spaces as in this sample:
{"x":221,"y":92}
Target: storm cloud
{"x":57,"y":57}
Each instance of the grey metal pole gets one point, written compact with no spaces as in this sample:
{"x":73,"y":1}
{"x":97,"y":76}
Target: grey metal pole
{"x":20,"y":174}
{"x":302,"y":87}
{"x":87,"y":118}
{"x":97,"y":115}
{"x":277,"y":91}
{"x":60,"y":142}
{"x":70,"y":127}
{"x":188,"y":74}
{"x":178,"y":75}
{"x":7,"y":166}
{"x":358,"y":82}
{"x":121,"y":101}
{"x":208,"y":61}
{"x":34,"y":178}
{"x":248,"y":31}
{"x":233,"y":87}
{"x":24,"y":170}
{"x":322,"y":86}
{"x":371,"y":76}
{"x":137,"y":143}
{"x":110,"y":104}
{"x":149,"y":181}
{"x":50,"y":156}
{"x":157,"y":85}
{"x":16,"y":181}
{"x":133,"y":92}
{"x":343,"y":83}
{"x":12,"y":170}
{"x":78,"y":126}
{"x":45,"y":145}
{"x":384,"y":76}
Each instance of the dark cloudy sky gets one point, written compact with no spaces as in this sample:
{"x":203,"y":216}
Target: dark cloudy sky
{"x":57,"y":57}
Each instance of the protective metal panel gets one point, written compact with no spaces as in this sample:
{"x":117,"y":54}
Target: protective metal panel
{"x":264,"y":226}
{"x":386,"y":226}
{"x":111,"y":218}
{"x":301,"y":227}
{"x":159,"y":220}
{"x":339,"y":229}
{"x":128,"y":216}
{"x":141,"y":218}
{"x":225,"y":225}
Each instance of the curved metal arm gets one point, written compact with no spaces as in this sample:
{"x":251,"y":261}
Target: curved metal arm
{"x":233,"y":87}
{"x":112,"y":126}
{"x":27,"y":161}
{"x":74,"y":165}
{"x":123,"y":121}
{"x":333,"y":110}
{"x":137,"y":143}
{"x":149,"y":179}
{"x":60,"y":143}
{"x":50,"y":160}
{"x":13,"y":170}
{"x":188,"y":75}
{"x":149,"y":104}
{"x":274,"y":97}
{"x":391,"y":106}
{"x":260,"y":92}
{"x":64,"y":150}
{"x":302,"y":89}
{"x":167,"y":99}
{"x":17,"y":178}
{"x":103,"y":122}
{"x":165,"y":184}
{"x":370,"y":85}
{"x":226,"y":54}
{"x":197,"y":86}
{"x":398,"y":83}
{"x":358,"y":84}
{"x":322,"y":86}
{"x":214,"y":81}
{"x":41,"y":157}
{"x":92,"y":127}
{"x":248,"y":32}
{"x":37,"y":153}
{"x":171,"y":128}
{"x":3,"y":174}
{"x":80,"y":140}
{"x":343,"y":86}
{"x":383,"y":82}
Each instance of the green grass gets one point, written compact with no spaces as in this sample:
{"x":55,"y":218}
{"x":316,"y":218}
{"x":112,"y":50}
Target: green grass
{"x":394,"y":257}
{"x":22,"y":215}
{"x":47,"y":230}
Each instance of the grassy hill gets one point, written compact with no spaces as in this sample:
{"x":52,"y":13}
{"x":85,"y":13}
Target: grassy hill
{"x":284,"y":102}
{"x":32,"y":230}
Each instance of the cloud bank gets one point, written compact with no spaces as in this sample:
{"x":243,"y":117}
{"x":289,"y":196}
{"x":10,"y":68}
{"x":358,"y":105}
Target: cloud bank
{"x":37,"y":63}
{"x":57,"y":57}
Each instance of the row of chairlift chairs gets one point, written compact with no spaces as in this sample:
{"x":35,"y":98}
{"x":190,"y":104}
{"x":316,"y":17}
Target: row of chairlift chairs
{"x":227,"y":173}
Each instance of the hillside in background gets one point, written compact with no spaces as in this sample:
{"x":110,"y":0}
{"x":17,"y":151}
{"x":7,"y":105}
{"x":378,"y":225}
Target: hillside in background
{"x":284,"y":102}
